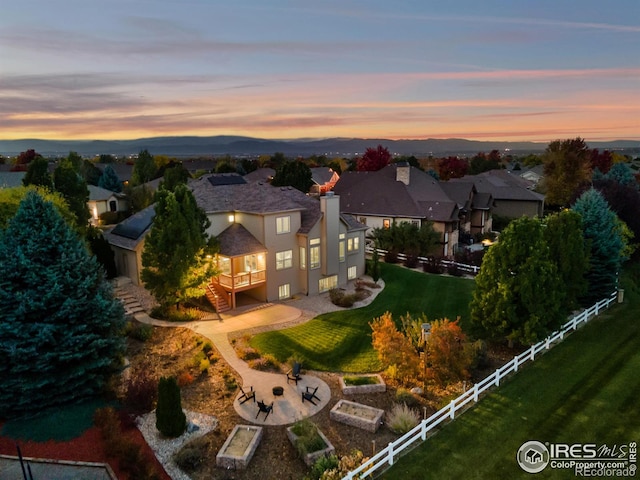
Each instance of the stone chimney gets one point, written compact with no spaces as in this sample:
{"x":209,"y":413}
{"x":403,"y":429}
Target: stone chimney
{"x":330,"y":229}
{"x":403,"y":172}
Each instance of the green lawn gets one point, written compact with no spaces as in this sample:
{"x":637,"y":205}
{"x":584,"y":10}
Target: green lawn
{"x":586,"y":390}
{"x":341,"y":341}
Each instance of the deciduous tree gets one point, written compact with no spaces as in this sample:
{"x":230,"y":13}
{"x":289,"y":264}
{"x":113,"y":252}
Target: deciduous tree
{"x":518,"y":292}
{"x":448,"y":356}
{"x":73,"y":188}
{"x":294,"y":174}
{"x":567,"y":166}
{"x":567,"y":249}
{"x":60,"y":327}
{"x":38,"y":174}
{"x":374,"y":159}
{"x":144,"y":168}
{"x":394,"y":349}
{"x":10,"y":199}
{"x":451,"y":167}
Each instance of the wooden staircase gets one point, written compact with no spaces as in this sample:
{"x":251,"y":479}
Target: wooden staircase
{"x":218,"y":298}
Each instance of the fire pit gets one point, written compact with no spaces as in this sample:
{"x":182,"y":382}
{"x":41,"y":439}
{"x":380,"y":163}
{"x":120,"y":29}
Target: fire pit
{"x":278,"y":391}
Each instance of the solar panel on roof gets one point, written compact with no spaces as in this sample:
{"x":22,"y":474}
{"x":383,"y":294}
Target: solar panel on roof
{"x":135,"y":225}
{"x":226,"y":179}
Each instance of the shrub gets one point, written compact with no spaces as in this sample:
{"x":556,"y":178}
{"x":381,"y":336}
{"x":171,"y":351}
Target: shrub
{"x":411,"y":261}
{"x":309,"y":440}
{"x":197,"y":358}
{"x":229,"y":381}
{"x":401,"y":419}
{"x":173,"y":314}
{"x":432,"y":265}
{"x":141,"y":391}
{"x":170,"y":419}
{"x":322,"y":465}
{"x":249,"y":353}
{"x":204,"y":365}
{"x":340,"y":298}
{"x":139,"y":331}
{"x":192,"y":455}
{"x":455,"y":271}
{"x":266,"y":363}
{"x":405,"y":396}
{"x":391,"y":257}
{"x":184,"y":379}
{"x":207,"y":347}
{"x":346,"y":463}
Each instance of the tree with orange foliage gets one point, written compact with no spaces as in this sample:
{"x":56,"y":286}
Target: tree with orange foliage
{"x":395,"y":351}
{"x":448,"y":355}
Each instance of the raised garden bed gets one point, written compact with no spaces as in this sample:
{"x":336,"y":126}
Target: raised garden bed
{"x":354,"y":384}
{"x":310,"y":457}
{"x":238,"y":449}
{"x":357,"y":415}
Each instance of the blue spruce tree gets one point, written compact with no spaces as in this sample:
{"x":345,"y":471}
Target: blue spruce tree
{"x":60,"y":327}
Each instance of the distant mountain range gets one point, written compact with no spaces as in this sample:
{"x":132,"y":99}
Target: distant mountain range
{"x":248,"y":146}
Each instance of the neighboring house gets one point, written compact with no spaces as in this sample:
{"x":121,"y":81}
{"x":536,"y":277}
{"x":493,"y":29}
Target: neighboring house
{"x":511,"y":194}
{"x":102,"y":200}
{"x":400,"y":193}
{"x":475,"y":209}
{"x":324,"y":179}
{"x":11,"y":179}
{"x":276,"y":242}
{"x":533,"y":175}
{"x":123,"y":170}
{"x":127,"y":242}
{"x":264,"y":174}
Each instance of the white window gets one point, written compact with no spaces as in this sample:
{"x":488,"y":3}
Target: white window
{"x":284,"y":259}
{"x":314,"y":253}
{"x":353,"y":244}
{"x":303,"y":258}
{"x":327,"y":283}
{"x":352,"y":272}
{"x":284,"y":291}
{"x":283,"y":224}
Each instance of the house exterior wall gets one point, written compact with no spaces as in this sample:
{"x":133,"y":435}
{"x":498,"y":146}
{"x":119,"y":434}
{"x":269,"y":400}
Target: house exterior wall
{"x":481,"y":222}
{"x":279,"y":243}
{"x":129,"y":262}
{"x":517,"y":208}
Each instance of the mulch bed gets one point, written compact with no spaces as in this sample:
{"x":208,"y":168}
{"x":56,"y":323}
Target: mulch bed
{"x":86,"y":448}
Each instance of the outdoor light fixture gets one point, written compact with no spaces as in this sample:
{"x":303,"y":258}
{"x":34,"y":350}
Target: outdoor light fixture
{"x":232,"y":218}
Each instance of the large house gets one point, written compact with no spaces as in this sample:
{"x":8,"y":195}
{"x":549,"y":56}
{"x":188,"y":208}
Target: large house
{"x":401,"y":193}
{"x":102,"y":200}
{"x":275,"y":242}
{"x":512,"y":195}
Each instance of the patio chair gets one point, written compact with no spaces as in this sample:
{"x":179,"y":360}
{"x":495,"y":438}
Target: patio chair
{"x":294,"y":373}
{"x":245,"y":396}
{"x":309,"y":395}
{"x":264,"y":408}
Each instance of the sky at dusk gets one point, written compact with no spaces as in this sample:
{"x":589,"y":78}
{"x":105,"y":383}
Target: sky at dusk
{"x":487,"y":70}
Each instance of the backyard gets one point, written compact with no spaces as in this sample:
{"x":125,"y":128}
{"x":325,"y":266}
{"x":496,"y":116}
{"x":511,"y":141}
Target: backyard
{"x":584,"y":391}
{"x":341,"y":341}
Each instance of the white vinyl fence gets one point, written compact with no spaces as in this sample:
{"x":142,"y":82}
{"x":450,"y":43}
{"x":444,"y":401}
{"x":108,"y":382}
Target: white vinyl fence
{"x":472,"y":269}
{"x":386,"y":457}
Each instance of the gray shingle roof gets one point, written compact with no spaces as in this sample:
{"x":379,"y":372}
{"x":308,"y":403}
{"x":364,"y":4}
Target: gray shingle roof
{"x":256,"y":198}
{"x":99,"y":193}
{"x":236,"y":240}
{"x":502,"y":185}
{"x":380,"y":194}
{"x":11,"y":179}
{"x":321,"y":175}
{"x":260,"y":175}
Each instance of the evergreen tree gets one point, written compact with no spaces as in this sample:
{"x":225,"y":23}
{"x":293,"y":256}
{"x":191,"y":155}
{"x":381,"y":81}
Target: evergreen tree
{"x":294,"y":174}
{"x":174,"y":176}
{"x":600,"y":228}
{"x":102,"y":250}
{"x":144,"y":169}
{"x":175,"y":267}
{"x":518,"y":291}
{"x":38,"y":174}
{"x":623,"y":175}
{"x":563,"y":234}
{"x":74,"y":189}
{"x":170,"y":419}
{"x":110,"y":180}
{"x":60,"y":327}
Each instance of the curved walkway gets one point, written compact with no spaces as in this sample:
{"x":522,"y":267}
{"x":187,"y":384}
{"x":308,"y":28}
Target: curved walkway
{"x":287,"y":408}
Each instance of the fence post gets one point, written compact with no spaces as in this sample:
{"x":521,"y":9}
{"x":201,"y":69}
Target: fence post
{"x":390,"y":454}
{"x":597,"y":309}
{"x":497,"y":374}
{"x":423,"y":430}
{"x":475,"y":393}
{"x":452,"y":413}
{"x":533,"y":352}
